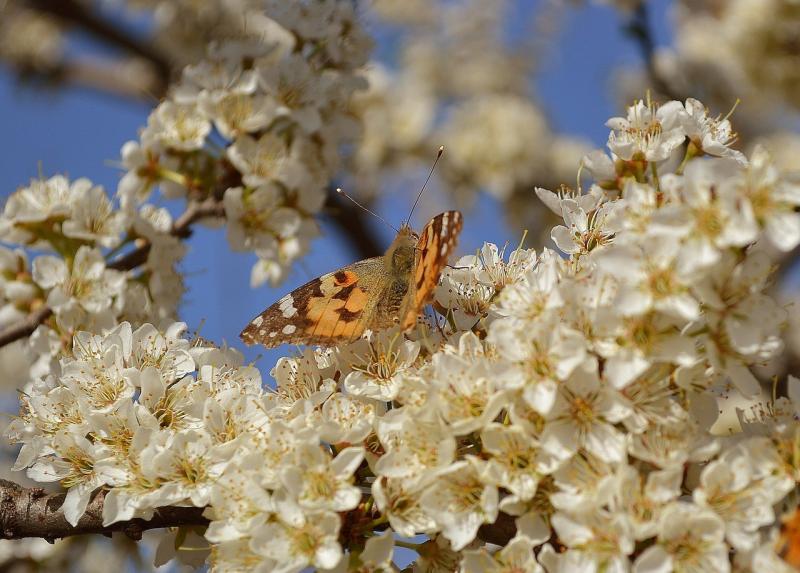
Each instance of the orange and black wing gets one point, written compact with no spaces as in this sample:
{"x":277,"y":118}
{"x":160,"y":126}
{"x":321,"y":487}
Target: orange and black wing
{"x":333,"y":308}
{"x":436,"y":243}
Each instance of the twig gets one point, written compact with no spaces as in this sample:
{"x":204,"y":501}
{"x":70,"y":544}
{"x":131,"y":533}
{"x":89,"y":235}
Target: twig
{"x":24,"y":327}
{"x":31,"y":512}
{"x":181,"y":227}
{"x":638,"y":28}
{"x":74,"y":13}
{"x":354,"y":227}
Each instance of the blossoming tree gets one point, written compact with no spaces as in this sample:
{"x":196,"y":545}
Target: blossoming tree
{"x":554,"y":411}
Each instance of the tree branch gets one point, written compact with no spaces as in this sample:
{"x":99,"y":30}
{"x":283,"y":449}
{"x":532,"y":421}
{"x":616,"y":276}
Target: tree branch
{"x":74,"y":13}
{"x":181,"y":227}
{"x":354,"y":227}
{"x":638,"y":28}
{"x":31,"y":512}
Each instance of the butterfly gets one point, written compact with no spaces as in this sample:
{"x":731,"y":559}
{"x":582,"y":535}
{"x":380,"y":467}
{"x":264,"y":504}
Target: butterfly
{"x":788,"y":545}
{"x":372,"y":294}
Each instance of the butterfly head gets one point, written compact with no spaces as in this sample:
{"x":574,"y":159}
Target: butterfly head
{"x":401,"y":254}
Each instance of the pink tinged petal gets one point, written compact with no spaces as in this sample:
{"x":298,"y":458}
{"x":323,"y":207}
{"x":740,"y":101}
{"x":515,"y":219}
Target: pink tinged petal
{"x":653,"y":560}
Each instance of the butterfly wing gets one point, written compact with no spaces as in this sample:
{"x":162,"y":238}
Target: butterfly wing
{"x":333,"y":308}
{"x":788,"y":545}
{"x":437,"y":240}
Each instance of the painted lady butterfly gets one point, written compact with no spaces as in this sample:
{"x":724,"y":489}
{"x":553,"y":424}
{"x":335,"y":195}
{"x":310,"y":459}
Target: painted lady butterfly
{"x":372,"y":294}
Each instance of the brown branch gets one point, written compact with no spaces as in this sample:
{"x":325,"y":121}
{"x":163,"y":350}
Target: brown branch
{"x":352,"y":222}
{"x":74,"y":13}
{"x":181,"y":227}
{"x":638,"y":28}
{"x":24,"y":327}
{"x":31,"y":512}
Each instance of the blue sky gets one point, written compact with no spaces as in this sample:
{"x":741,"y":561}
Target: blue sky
{"x":79,"y":133}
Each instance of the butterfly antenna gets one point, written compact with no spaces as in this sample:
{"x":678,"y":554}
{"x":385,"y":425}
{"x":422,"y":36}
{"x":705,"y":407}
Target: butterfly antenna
{"x":435,"y":161}
{"x":370,"y":211}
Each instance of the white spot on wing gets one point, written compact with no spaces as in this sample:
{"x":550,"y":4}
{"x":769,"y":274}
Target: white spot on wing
{"x":257,"y":321}
{"x":289,"y":329}
{"x":286,"y":306}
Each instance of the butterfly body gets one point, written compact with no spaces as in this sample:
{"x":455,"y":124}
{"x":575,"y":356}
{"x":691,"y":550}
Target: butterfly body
{"x":372,"y":294}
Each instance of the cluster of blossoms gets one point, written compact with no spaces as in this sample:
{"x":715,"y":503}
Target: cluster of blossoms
{"x":258,"y":125}
{"x":252,"y":132}
{"x":561,"y":406}
{"x":80,"y":277}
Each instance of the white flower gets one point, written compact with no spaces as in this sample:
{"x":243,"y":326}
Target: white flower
{"x":583,"y":416}
{"x":690,"y":539}
{"x":541,"y":355}
{"x":320,"y":483}
{"x":380,"y":365}
{"x":711,"y":135}
{"x":650,"y":278}
{"x":467,"y":393}
{"x":739,"y":487}
{"x":294,"y":86}
{"x":415,"y":443}
{"x":515,"y":460}
{"x":583,"y":484}
{"x":257,"y":218}
{"x":585,"y":230}
{"x":516,"y":557}
{"x":400,"y":502}
{"x":712,"y":214}
{"x":346,"y":420}
{"x":293,"y":546}
{"x":773,"y":200}
{"x":176,"y":126}
{"x":76,"y":466}
{"x":185,"y":466}
{"x":93,"y":217}
{"x":261,"y":160}
{"x":86,"y":282}
{"x":460,"y":502}
{"x":603,"y":538}
{"x":648,"y":132}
